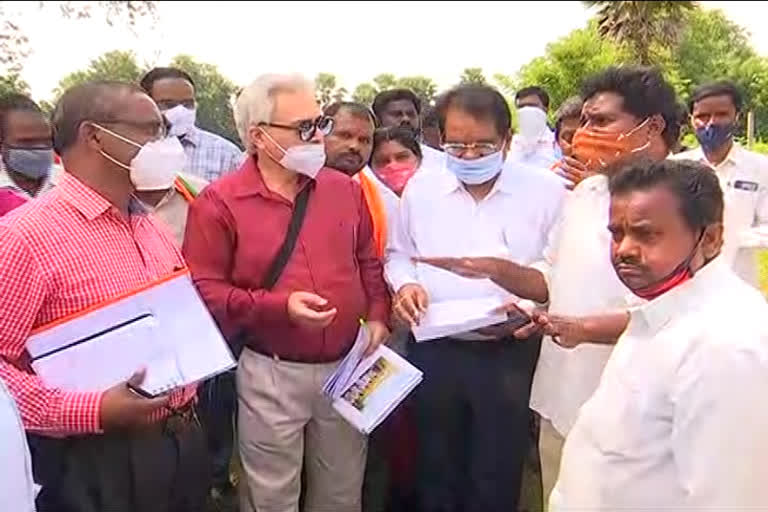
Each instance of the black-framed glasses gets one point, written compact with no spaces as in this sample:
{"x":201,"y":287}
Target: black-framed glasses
{"x":306,"y":128}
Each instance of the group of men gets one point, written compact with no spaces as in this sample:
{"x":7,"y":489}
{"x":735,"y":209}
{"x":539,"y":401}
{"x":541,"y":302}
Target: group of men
{"x":635,"y":344}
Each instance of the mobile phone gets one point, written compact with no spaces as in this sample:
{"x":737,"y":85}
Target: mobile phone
{"x":138,"y":391}
{"x":517,"y":319}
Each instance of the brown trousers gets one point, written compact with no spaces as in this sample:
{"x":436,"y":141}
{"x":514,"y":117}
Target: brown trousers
{"x":149,"y":471}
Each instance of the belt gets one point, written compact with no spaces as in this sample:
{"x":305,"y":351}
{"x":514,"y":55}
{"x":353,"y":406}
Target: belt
{"x":277,"y":357}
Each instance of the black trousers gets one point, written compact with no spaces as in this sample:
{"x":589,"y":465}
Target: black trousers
{"x":147,"y":471}
{"x":218,"y":412}
{"x":473,"y":420}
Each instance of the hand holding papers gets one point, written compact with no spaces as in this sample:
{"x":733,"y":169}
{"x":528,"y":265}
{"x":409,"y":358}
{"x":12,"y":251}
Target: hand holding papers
{"x":164,"y":327}
{"x":451,"y":317}
{"x":365,"y":390}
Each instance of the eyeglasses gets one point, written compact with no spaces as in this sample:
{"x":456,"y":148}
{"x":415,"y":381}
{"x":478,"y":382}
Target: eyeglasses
{"x":482,"y":148}
{"x":155,"y":128}
{"x":306,"y":128}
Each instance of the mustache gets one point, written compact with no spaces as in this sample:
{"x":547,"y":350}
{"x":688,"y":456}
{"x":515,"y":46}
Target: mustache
{"x":628,"y":261}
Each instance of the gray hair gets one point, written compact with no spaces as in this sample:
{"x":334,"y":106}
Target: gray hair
{"x":256,"y":102}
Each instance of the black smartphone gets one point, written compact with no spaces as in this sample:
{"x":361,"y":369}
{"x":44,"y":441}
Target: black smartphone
{"x":517,"y":319}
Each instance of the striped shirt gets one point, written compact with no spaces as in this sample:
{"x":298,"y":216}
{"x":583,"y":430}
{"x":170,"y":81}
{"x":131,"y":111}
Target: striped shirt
{"x":60,"y":254}
{"x":209,"y":156}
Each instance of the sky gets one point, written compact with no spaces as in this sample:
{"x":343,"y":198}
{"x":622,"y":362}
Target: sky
{"x":353,"y":40}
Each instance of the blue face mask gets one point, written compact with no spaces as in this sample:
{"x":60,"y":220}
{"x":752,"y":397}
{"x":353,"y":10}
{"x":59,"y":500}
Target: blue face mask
{"x":34,"y":164}
{"x":477,"y":171}
{"x":713,"y":136}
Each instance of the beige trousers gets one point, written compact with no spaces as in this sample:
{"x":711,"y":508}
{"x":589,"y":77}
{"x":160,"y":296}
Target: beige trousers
{"x":284,"y":420}
{"x":550,"y":450}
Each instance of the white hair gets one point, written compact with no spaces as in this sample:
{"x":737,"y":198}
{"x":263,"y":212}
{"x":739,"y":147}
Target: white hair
{"x":256,"y":102}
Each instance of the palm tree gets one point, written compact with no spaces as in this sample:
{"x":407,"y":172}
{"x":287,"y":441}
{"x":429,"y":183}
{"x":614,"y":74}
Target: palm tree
{"x":642,"y":25}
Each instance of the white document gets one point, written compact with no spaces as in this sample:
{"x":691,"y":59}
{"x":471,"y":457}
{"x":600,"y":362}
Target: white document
{"x":451,"y":317}
{"x":365,"y":391}
{"x":164,"y":328}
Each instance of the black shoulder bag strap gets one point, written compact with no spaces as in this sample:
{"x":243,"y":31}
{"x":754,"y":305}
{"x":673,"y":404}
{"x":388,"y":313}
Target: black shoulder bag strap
{"x":281,"y":259}
{"x":284,"y":254}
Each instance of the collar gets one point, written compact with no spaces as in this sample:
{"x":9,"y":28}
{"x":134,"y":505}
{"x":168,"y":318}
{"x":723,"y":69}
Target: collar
{"x":82,"y":197}
{"x":192,"y":137}
{"x":445,"y":182}
{"x":734,"y":156}
{"x":658,"y":312}
{"x":7,"y":182}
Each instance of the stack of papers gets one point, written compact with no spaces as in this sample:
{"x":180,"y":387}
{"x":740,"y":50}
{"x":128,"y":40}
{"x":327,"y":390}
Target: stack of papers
{"x":451,"y":317}
{"x":364,"y":391}
{"x":164,"y":328}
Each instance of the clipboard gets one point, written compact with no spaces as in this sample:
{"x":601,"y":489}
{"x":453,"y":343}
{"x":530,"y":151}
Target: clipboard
{"x":163,"y":326}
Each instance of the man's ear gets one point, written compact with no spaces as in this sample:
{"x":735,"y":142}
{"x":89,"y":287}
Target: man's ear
{"x":712,"y":241}
{"x":255,"y":137}
{"x":92,"y":135}
{"x":656,"y":125}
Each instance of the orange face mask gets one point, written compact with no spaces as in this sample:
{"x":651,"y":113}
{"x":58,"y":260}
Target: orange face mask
{"x":597,"y":148}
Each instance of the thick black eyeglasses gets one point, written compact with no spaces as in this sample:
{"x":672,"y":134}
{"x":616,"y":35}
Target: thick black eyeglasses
{"x":307,"y":127}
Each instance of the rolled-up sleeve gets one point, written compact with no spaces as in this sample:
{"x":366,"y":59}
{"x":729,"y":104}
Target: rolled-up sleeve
{"x":209,"y":248}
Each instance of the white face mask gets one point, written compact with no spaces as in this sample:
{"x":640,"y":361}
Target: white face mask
{"x":156,"y":164}
{"x":306,"y":159}
{"x":182,"y":119}
{"x":532,"y":122}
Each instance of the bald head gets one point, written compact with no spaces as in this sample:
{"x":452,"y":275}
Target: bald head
{"x":100,"y":102}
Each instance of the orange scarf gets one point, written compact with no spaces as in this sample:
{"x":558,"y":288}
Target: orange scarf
{"x":378,"y":212}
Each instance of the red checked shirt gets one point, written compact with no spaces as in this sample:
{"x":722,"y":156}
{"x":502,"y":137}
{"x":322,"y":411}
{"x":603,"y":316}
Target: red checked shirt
{"x":59,"y":254}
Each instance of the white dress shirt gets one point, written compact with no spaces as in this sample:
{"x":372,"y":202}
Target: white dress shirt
{"x":17,"y":488}
{"x":743,"y":177}
{"x":581,"y":281}
{"x":679,"y":420}
{"x":438,"y":217}
{"x":539,"y":153}
{"x":431,"y":158}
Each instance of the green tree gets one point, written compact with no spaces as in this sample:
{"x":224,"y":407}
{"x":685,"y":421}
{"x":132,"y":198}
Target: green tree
{"x":385,"y":81}
{"x":472,"y":76}
{"x":114,"y":65}
{"x":364,"y":93}
{"x":325,"y":84}
{"x":15,"y":46}
{"x":643,"y":26}
{"x":565,"y":64}
{"x":214,"y":94}
{"x":12,"y":83}
{"x":424,"y":87}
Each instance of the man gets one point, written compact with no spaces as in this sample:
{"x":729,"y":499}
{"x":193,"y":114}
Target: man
{"x":348,"y":149}
{"x":535,"y":143}
{"x":430,"y":128}
{"x":674,"y":423}
{"x":401,"y":107}
{"x":169,"y":200}
{"x":209,"y":156}
{"x":26,"y":147}
{"x":715,"y":112}
{"x":86,"y":242}
{"x":472,"y":408}
{"x":628,"y":113}
{"x":567,"y":121}
{"x":299,"y":322}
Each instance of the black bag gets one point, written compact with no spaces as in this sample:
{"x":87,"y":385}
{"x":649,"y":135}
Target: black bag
{"x":281,"y":259}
